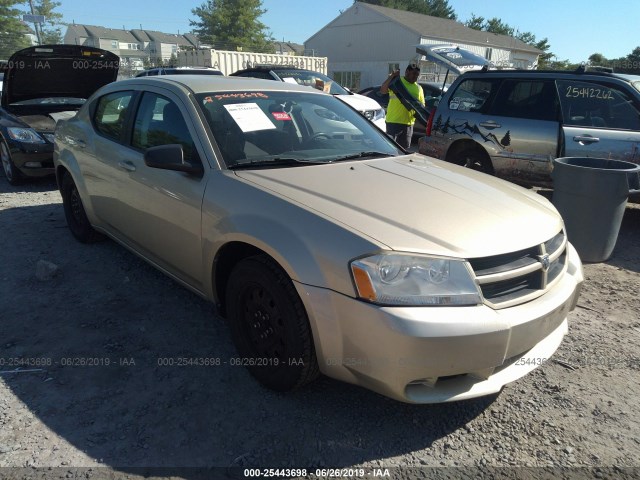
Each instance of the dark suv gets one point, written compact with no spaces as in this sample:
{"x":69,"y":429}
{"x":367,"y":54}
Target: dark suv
{"x":513,"y":123}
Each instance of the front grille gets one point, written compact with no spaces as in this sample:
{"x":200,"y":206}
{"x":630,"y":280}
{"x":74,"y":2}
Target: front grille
{"x":513,"y":278}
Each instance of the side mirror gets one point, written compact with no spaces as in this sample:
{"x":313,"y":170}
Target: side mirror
{"x":170,"y":157}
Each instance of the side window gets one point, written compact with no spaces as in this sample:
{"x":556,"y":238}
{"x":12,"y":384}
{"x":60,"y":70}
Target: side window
{"x":110,"y":113}
{"x":472,"y":95}
{"x":597,"y":105}
{"x":160,"y":122}
{"x":534,"y":99}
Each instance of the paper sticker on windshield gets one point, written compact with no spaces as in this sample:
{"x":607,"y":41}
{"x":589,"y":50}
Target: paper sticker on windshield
{"x":290,"y":80}
{"x":281,"y":115}
{"x":249,"y":117}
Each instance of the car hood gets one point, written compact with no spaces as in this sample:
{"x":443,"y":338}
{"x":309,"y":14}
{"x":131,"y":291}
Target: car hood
{"x":452,"y":57}
{"x":359,"y":102}
{"x":57,"y":71}
{"x":419,"y":204}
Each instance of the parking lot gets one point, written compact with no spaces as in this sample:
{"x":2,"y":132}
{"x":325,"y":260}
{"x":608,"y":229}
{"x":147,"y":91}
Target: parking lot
{"x":95,"y":366}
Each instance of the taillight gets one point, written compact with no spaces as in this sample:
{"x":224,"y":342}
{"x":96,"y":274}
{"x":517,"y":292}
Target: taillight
{"x":430,"y":121}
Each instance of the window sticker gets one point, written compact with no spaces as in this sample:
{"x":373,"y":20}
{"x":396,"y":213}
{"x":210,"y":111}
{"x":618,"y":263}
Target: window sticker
{"x":586,"y":92}
{"x":281,"y":115}
{"x":249,"y":117}
{"x":454,"y":105}
{"x":290,"y":80}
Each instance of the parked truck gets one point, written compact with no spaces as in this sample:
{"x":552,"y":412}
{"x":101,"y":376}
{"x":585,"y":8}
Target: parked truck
{"x":229,"y":61}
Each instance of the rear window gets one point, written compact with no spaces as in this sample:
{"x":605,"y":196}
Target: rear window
{"x":472,"y":95}
{"x":110,"y":112}
{"x":311,"y":79}
{"x":533,"y":99}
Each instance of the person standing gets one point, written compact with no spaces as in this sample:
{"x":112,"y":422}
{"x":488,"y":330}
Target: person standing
{"x":399,"y":120}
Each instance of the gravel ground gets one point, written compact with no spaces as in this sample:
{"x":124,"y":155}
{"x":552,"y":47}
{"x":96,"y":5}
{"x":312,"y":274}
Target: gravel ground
{"x":92,"y":399}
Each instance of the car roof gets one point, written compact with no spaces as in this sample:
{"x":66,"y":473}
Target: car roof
{"x":580,"y":73}
{"x":218,"y":83}
{"x":269,"y":68}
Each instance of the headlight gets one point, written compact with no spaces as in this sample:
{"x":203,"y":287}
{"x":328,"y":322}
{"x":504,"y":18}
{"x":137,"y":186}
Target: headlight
{"x":373,"y":115}
{"x":26,"y":135}
{"x":406,"y":279}
{"x":378,"y":114}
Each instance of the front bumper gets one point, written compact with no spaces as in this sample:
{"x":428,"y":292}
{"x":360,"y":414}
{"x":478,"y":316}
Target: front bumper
{"x":33,"y":160}
{"x":438,"y":354}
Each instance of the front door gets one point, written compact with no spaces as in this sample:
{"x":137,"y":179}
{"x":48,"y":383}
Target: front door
{"x":599,"y":120}
{"x":161,"y":209}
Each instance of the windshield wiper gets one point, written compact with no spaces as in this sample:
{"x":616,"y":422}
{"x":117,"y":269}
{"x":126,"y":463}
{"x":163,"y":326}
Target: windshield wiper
{"x":274,"y":163}
{"x":353,"y":156}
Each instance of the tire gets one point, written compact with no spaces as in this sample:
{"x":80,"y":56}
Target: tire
{"x":74,"y":212}
{"x":269,"y":325}
{"x":475,"y":160}
{"x":13,"y":175}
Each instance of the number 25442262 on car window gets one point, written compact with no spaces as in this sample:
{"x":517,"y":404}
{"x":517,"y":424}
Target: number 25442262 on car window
{"x":327,"y":248}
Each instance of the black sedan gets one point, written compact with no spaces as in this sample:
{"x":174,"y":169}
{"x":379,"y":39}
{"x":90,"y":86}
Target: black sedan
{"x":42,"y":85}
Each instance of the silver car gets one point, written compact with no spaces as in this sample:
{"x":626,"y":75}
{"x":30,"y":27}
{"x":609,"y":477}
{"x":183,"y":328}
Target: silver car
{"x":326,"y":248}
{"x":514,"y":123}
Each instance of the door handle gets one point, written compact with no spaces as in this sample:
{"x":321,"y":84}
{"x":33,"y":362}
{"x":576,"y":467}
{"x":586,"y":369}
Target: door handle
{"x":490,"y":125}
{"x":585,"y":139}
{"x":128,"y":166}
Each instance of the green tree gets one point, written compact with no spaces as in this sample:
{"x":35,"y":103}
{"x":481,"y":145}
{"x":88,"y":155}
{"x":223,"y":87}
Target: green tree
{"x":232,"y":24}
{"x":477,"y":23}
{"x":598,"y":59}
{"x":497,"y":26}
{"x":12,"y":29}
{"x":52,"y":29}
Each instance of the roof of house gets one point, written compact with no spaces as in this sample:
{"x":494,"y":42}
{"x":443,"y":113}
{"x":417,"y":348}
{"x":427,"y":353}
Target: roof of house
{"x":289,"y":47}
{"x":141,"y":35}
{"x":131,"y":36}
{"x":168,"y":38}
{"x":102,"y":32}
{"x":448,"y":30}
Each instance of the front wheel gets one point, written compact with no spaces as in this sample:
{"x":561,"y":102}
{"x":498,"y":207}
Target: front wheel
{"x":74,"y":212}
{"x":10,"y":171}
{"x":269,"y":325}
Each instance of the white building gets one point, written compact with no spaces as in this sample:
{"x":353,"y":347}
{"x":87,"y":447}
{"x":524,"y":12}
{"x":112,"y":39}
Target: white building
{"x":366,"y":42}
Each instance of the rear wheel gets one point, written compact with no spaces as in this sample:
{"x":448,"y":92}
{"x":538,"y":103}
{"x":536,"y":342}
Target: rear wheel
{"x":474,"y":159}
{"x":10,"y":171}
{"x":269,"y":325}
{"x":74,"y":212}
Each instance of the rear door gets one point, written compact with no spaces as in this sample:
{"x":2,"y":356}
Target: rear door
{"x":523,"y":127}
{"x":600,"y":119}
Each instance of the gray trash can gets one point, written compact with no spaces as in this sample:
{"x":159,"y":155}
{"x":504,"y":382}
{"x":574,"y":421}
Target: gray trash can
{"x":591,"y":195}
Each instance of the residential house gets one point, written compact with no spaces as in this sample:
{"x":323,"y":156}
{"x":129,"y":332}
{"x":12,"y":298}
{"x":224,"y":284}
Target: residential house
{"x":365,"y":42}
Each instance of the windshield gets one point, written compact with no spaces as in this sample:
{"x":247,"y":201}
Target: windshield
{"x":274,"y":128}
{"x":312,"y":79}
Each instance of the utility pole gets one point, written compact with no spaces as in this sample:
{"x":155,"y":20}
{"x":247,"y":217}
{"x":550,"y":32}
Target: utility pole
{"x":35,"y":24}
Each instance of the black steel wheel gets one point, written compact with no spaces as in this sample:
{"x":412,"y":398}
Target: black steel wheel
{"x":269,"y":325}
{"x":74,"y":212}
